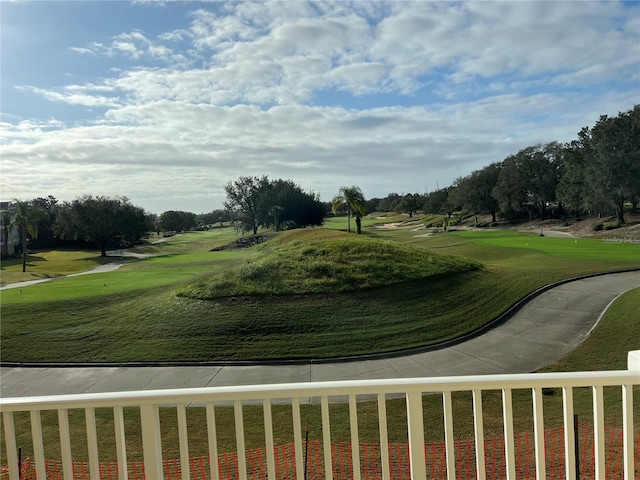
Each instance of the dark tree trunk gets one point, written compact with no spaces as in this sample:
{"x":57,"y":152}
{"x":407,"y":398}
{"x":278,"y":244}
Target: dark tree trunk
{"x":358,"y":225}
{"x":23,"y":238}
{"x":543,"y":210}
{"x":24,"y":253}
{"x":103,"y":249}
{"x":620,"y":213}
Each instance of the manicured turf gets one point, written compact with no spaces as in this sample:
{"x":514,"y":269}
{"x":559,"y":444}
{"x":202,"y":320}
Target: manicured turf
{"x":532,"y":259}
{"x":135,"y":313}
{"x":106,"y":318}
{"x":139,"y":311}
{"x":54,"y":263}
{"x":51,"y":263}
{"x":605,"y":349}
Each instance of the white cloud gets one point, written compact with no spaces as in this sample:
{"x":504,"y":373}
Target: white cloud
{"x":136,"y":46}
{"x":71,"y":97}
{"x":209,"y":31}
{"x":195,"y":149}
{"x":82,"y":50}
{"x":265,"y":53}
{"x":174,"y":35}
{"x":452,"y":86}
{"x":360,"y":78}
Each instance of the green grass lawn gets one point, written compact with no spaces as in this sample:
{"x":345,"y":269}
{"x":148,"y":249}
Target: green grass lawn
{"x":135,"y":313}
{"x":51,"y":263}
{"x":605,"y":349}
{"x":169,"y":308}
{"x":55,"y":263}
{"x":108,"y":317}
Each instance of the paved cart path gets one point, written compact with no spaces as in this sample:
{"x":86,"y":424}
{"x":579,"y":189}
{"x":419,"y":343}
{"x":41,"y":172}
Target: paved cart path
{"x":107,"y":267}
{"x":544,"y":330}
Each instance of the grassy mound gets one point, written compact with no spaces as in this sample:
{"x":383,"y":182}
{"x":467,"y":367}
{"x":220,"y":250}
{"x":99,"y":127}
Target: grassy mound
{"x":133,"y":314}
{"x":325,"y":261}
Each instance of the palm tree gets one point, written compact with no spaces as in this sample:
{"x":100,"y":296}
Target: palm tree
{"x":26,"y":216}
{"x":353,"y":199}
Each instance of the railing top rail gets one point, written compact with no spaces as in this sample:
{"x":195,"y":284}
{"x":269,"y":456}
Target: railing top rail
{"x":329,"y":389}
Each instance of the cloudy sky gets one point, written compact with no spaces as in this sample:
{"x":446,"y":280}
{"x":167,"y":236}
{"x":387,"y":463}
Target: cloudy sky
{"x":166,"y":102}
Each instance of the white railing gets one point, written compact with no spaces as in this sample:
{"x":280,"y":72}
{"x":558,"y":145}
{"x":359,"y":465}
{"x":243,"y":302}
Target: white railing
{"x":324,"y":393}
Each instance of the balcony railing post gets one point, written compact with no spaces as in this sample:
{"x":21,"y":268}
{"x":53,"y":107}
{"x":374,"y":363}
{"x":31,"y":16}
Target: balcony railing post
{"x":598,"y":432}
{"x":38,"y":445}
{"x":268,"y":438}
{"x":538,"y":433}
{"x":240,"y":445}
{"x":384,"y":437}
{"x":416,"y":436}
{"x":355,"y":442}
{"x":121,"y":446}
{"x":576,"y":447}
{"x":151,"y":444}
{"x":633,"y":364}
{"x":183,"y":441}
{"x":297,"y":438}
{"x":414,"y":388}
{"x":92,"y":443}
{"x":509,"y":446}
{"x":569,"y":432}
{"x":65,"y":443}
{"x":633,"y":360}
{"x":448,"y":435}
{"x":10,"y":445}
{"x":478,"y":429}
{"x":326,"y":438}
{"x":212,"y":440}
{"x":627,"y":426}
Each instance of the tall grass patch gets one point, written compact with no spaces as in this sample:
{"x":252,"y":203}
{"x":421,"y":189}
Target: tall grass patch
{"x":318,"y":261}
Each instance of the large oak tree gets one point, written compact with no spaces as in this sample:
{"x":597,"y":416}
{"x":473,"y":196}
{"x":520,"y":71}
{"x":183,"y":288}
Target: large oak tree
{"x":528,"y":180}
{"x":614,"y":160}
{"x":101,"y":220}
{"x":244,"y":201}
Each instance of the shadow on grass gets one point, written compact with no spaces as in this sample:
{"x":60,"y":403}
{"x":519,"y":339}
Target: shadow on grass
{"x":18,"y":261}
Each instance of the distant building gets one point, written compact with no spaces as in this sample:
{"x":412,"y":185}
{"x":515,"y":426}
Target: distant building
{"x":8,"y":239}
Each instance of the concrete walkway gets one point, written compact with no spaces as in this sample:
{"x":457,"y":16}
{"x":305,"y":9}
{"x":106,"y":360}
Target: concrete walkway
{"x":544,"y":330}
{"x":107,"y":267}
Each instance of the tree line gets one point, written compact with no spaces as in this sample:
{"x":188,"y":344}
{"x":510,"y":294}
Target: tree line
{"x":255,"y":202}
{"x":595,"y":174}
{"x":114,"y":222}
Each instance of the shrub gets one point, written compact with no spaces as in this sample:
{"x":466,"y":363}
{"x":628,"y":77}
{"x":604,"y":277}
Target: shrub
{"x":597,"y":227}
